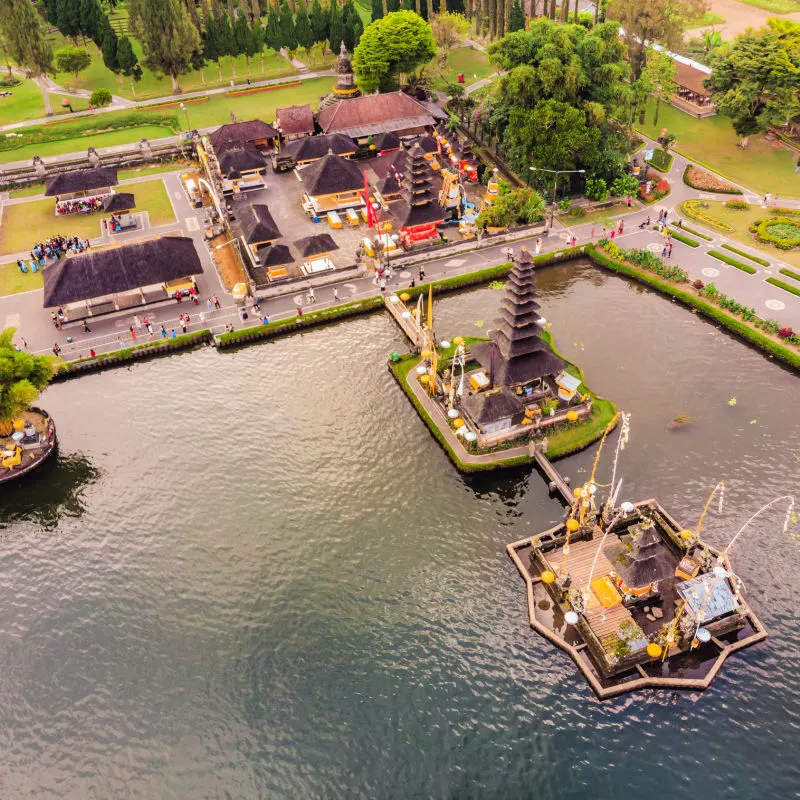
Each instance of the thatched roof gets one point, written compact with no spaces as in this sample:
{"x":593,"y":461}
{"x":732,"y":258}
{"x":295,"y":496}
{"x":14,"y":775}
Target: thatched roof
{"x":517,"y":370}
{"x":491,"y":406}
{"x":375,"y":113}
{"x":96,"y":273}
{"x":332,"y":175}
{"x":81,"y":180}
{"x":410,"y":216}
{"x":435,"y":111}
{"x":238,"y":157}
{"x":250,"y":131}
{"x":639,"y":573}
{"x":314,"y":147}
{"x":274,"y":255}
{"x":258,"y":225}
{"x":691,"y":78}
{"x":295,"y":120}
{"x":428,"y":144}
{"x":311,"y":246}
{"x":121,"y":201}
{"x":386,"y":141}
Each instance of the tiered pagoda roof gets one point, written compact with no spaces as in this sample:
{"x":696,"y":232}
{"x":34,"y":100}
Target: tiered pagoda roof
{"x":517,"y":353}
{"x":420,"y":203}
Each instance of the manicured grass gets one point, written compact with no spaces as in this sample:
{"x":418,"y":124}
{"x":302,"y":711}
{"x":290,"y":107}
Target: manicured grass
{"x":696,"y":233}
{"x":733,"y":262}
{"x":711,"y":142}
{"x":78,"y":144}
{"x":28,"y":191}
{"x":709,"y":18}
{"x":26,"y":102}
{"x":775,"y":6}
{"x":154,"y":169}
{"x":474,"y":64}
{"x":661,"y":160}
{"x":785,"y":286}
{"x":150,"y":86}
{"x":762,"y":261}
{"x":77,"y":103}
{"x":27,"y":223}
{"x":740,"y":220}
{"x":12,"y":281}
{"x":685,"y":239}
{"x":790,"y":274}
{"x":604,"y":215}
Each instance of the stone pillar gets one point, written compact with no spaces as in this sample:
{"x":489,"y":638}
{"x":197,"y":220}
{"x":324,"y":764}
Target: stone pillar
{"x":146,"y":150}
{"x":38,"y":165}
{"x":94,"y":159}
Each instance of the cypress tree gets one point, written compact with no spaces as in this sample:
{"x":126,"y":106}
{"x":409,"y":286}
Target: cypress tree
{"x":353,"y":31}
{"x":319,"y":22}
{"x":377,"y":9}
{"x":335,"y":27}
{"x":302,"y":28}
{"x":24,"y":36}
{"x":287,"y":35}
{"x":272,"y":30}
{"x":51,"y":11}
{"x":108,"y":45}
{"x":68,"y":17}
{"x":89,"y":15}
{"x":127,"y":61}
{"x":517,"y":19}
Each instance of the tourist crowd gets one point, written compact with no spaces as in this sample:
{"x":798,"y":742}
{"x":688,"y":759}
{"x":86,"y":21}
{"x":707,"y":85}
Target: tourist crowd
{"x":83,"y":205}
{"x":57,"y":246}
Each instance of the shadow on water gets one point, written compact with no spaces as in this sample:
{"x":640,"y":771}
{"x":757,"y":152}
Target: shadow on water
{"x":52,"y":492}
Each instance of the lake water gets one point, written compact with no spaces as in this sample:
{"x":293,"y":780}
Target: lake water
{"x":255,"y":574}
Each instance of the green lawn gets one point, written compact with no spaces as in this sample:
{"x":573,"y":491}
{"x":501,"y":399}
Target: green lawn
{"x":28,"y":191}
{"x":12,"y":281}
{"x":709,"y":18}
{"x":150,"y":86}
{"x":474,"y":64}
{"x":775,"y":6}
{"x":26,"y":223}
{"x":80,"y":143}
{"x":595,"y":216}
{"x":26,"y":102}
{"x":77,"y":103}
{"x":740,"y":220}
{"x":712,"y":141}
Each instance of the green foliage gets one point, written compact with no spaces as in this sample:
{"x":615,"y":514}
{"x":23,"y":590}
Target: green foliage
{"x":24,"y":37}
{"x":732,"y":261}
{"x":782,"y":232}
{"x":685,"y":239}
{"x":646,"y":260}
{"x":696,"y":233}
{"x":517,"y":20}
{"x":100,"y":98}
{"x":109,"y":45}
{"x":319,"y":22}
{"x":167,"y":34}
{"x":661,"y":160}
{"x":754,"y":78}
{"x":303,"y":29}
{"x":286,"y":29}
{"x":22,"y":377}
{"x":127,"y":60}
{"x":353,"y":28}
{"x":596,"y":189}
{"x":790,"y":273}
{"x":741,"y":205}
{"x":377,"y":9}
{"x":625,"y":186}
{"x":72,"y":60}
{"x":762,"y":261}
{"x":513,"y":207}
{"x":694,"y":209}
{"x":395,"y":44}
{"x":335,"y":25}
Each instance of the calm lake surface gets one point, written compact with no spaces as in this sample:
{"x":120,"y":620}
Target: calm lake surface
{"x":257,"y":575}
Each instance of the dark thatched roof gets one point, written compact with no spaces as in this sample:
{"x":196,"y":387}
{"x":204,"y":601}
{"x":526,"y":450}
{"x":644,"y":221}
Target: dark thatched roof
{"x":332,"y":175}
{"x":375,"y":113}
{"x":314,"y":147}
{"x":81,"y":180}
{"x":250,"y":131}
{"x":121,"y":201}
{"x":258,"y":225}
{"x":237,"y":157}
{"x":638,"y":573}
{"x":295,"y":120}
{"x":274,"y":255}
{"x":311,"y":246}
{"x":394,"y":161}
{"x":386,"y":141}
{"x":517,"y":370}
{"x":491,"y":406}
{"x":428,"y":144}
{"x":100,"y":272}
{"x":410,"y":216}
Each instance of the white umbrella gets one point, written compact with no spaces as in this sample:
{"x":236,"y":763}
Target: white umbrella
{"x":571,"y":618}
{"x":394,"y":299}
{"x":703,"y":634}
{"x":452,"y":413}
{"x":470,"y":436}
{"x":421,"y":369}
{"x":445,"y":344}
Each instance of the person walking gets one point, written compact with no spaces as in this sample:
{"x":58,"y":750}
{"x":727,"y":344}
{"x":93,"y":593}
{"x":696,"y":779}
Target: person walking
{"x":621,"y":227}
{"x":172,"y":334}
{"x":56,"y":349}
{"x":137,"y":323}
{"x":209,"y":304}
{"x":86,"y":328}
{"x":133,"y":332}
{"x":383,"y":287}
{"x":265,"y":320}
{"x":664,"y":250}
{"x":335,"y":294}
{"x":630,"y":201}
{"x":538,"y":245}
{"x":669,"y":250}
{"x":184,"y":323}
{"x":163,"y":332}
{"x":612,"y":234}
{"x":202,"y":317}
{"x":573,"y":241}
{"x":766,"y":199}
{"x":592,"y":234}
{"x":299,"y":312}
{"x":93,"y":353}
{"x":121,"y":343}
{"x":312,"y":298}
{"x":421,"y":274}
{"x":150,"y":330}
{"x":216,"y":302}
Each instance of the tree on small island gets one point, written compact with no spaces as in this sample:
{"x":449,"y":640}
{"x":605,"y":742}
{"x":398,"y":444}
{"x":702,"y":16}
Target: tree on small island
{"x":22,"y":378}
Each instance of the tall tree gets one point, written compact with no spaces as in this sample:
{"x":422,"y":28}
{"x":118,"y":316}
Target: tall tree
{"x":90,"y":14}
{"x":390,"y":47}
{"x":755,"y":77}
{"x":51,"y":11}
{"x":272,"y":33}
{"x":448,"y":31}
{"x":654,"y":21}
{"x":127,"y":60}
{"x":24,"y":36}
{"x":353,"y":31}
{"x":335,"y":26}
{"x":191,"y":7}
{"x":248,"y":40}
{"x":319,"y":22}
{"x":516,"y":21}
{"x":288,"y":37}
{"x":377,"y":9}
{"x":23,"y":376}
{"x":663,"y":72}
{"x":109,"y":44}
{"x":303,"y":29}
{"x":72,"y":60}
{"x":167,"y":35}
{"x":68,"y":18}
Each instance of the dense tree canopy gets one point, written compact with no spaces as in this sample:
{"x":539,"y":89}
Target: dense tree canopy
{"x":22,"y":377}
{"x":392,"y":46}
{"x":756,"y":78}
{"x":72,"y":60}
{"x":24,"y":36}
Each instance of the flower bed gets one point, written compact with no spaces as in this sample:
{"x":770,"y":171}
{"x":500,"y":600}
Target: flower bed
{"x":658,"y":192}
{"x":740,"y":205}
{"x":645,"y":260}
{"x":68,"y":119}
{"x":784,"y":212}
{"x":707,"y":181}
{"x":256,"y":89}
{"x":694,"y":210}
{"x":782,"y":232}
{"x":174,"y":104}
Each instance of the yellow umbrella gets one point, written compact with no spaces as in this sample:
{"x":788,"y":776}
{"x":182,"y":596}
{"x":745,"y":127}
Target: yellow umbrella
{"x":573,"y":525}
{"x":654,"y":650}
{"x":547,"y":576}
{"x":572,"y":416}
{"x":405,"y":297}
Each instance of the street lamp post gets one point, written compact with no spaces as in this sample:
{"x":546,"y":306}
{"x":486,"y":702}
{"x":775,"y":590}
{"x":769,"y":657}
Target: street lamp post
{"x":556,"y":173}
{"x":186,"y":112}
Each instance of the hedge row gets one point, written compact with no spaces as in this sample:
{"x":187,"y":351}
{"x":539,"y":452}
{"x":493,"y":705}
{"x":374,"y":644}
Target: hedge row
{"x":762,"y":261}
{"x":733,"y":262}
{"x":737,"y":326}
{"x":257,"y":89}
{"x":173,"y":104}
{"x":790,"y":274}
{"x":158,"y":347}
{"x":785,"y":286}
{"x":685,"y":239}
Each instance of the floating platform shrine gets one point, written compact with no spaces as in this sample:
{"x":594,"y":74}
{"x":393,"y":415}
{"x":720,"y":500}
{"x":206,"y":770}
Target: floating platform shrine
{"x":29,"y":443}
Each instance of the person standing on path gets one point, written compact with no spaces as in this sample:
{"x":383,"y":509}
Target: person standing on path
{"x":86,"y":328}
{"x":163,"y":332}
{"x":216,"y":302}
{"x":312,"y":298}
{"x":664,"y":250}
{"x":150,"y":330}
{"x":335,"y":295}
{"x":669,"y":250}
{"x":209,"y":304}
{"x":299,"y":312}
{"x":383,"y":287}
{"x":137,"y":323}
{"x":133,"y":332}
{"x":184,"y":323}
{"x":538,"y":245}
{"x":766,"y":199}
{"x":172,"y":334}
{"x":421,"y":274}
{"x":592,"y":234}
{"x":56,"y":349}
{"x":630,"y":201}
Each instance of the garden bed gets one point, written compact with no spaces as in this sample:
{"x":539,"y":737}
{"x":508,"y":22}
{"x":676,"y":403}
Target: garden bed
{"x":705,"y":181}
{"x":733,"y":262}
{"x":661,"y":160}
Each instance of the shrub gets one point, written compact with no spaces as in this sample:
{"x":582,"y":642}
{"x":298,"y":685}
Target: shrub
{"x":596,"y":189}
{"x":782,"y":232}
{"x":693,"y":209}
{"x":732,"y":261}
{"x":707,"y":182}
{"x":565,"y":204}
{"x":685,"y":239}
{"x":786,"y":333}
{"x":698,"y":284}
{"x":661,"y":160}
{"x":785,"y":286}
{"x":696,"y":233}
{"x":762,"y":261}
{"x":100,"y":98}
{"x":646,"y":260}
{"x":785,"y":211}
{"x":789,"y":273}
{"x":742,"y":205}
{"x":577,"y":211}
{"x":625,"y":185}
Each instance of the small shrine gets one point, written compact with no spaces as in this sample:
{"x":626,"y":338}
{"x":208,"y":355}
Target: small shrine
{"x":345,"y":87}
{"x":418,"y":212}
